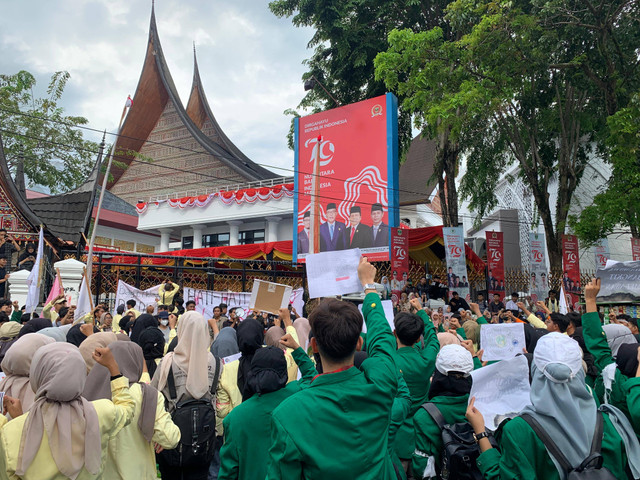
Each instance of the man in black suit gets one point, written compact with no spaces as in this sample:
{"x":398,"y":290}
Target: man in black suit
{"x":358,"y":235}
{"x":379,"y":230}
{"x":332,"y":231}
{"x":303,"y":235}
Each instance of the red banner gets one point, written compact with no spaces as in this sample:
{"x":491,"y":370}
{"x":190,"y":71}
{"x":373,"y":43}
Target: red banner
{"x":495,"y":263}
{"x":399,"y":260}
{"x":571,"y":269}
{"x":345,"y":186}
{"x":635,"y":248}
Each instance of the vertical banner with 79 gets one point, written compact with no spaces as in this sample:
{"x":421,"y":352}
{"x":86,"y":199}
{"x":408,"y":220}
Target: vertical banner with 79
{"x":399,"y":261}
{"x":495,"y":263}
{"x":635,"y":248}
{"x":456,"y":262}
{"x":571,"y":269}
{"x":539,"y":280}
{"x":346,"y":182}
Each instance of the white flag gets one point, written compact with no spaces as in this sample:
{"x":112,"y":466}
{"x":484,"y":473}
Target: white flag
{"x":84,"y":304}
{"x":33,"y":280}
{"x":562,"y":307}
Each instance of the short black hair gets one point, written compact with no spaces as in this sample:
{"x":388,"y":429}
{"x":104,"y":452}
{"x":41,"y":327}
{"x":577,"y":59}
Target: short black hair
{"x":336,"y":326}
{"x":5,"y":302}
{"x":63,"y":312}
{"x":223,"y":306}
{"x":3,"y":258}
{"x":562,"y":321}
{"x":218,"y":307}
{"x":575,"y":319}
{"x":162,"y":308}
{"x":553,"y":291}
{"x":232,"y":310}
{"x":4,"y":317}
{"x":131,"y":303}
{"x":515,"y":294}
{"x":25,"y":317}
{"x":189,"y":302}
{"x":409,"y":327}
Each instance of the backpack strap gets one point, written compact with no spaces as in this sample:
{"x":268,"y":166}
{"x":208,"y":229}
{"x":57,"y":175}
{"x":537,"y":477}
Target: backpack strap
{"x":435,"y":414}
{"x":548,"y":442}
{"x":216,"y":378}
{"x":172,"y":384}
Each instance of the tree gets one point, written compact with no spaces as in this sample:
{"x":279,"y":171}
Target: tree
{"x":37,"y":132}
{"x":348,"y":36}
{"x":617,"y":208}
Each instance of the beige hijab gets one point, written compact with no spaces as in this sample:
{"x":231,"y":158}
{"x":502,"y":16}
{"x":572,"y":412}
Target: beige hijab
{"x":273,"y":336}
{"x":10,"y":329}
{"x":16,"y":365}
{"x":191,"y":355}
{"x":93,"y":341}
{"x":57,"y":375}
{"x":446,"y":338}
{"x":302,"y":329}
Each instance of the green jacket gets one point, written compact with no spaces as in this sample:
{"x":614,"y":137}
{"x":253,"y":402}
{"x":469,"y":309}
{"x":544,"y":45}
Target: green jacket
{"x":596,"y":341}
{"x":247,"y":429}
{"x":523,"y":455}
{"x":400,"y":410}
{"x":428,"y":434}
{"x":417,"y":364}
{"x":337,"y":429}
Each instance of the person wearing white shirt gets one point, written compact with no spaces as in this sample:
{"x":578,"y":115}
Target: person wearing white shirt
{"x":513,"y":303}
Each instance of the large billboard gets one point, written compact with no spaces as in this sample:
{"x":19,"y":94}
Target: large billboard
{"x":346,"y":181}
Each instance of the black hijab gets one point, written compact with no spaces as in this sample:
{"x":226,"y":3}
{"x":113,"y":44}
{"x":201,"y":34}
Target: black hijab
{"x":75,"y":335}
{"x":268,"y":371}
{"x":452,"y":385}
{"x":33,"y":325}
{"x":124,"y":324}
{"x":151,"y":339}
{"x":627,"y":359}
{"x":250,"y":337}
{"x":143,"y":321}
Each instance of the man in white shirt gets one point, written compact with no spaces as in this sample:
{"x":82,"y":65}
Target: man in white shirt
{"x":513,"y":303}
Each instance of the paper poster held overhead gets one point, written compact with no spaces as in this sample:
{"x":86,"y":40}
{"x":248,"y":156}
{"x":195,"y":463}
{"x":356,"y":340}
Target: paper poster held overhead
{"x":502,"y":341}
{"x":269,"y":297}
{"x":333,"y":273}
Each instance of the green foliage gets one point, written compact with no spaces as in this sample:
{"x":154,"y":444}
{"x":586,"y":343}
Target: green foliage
{"x":54,"y":152}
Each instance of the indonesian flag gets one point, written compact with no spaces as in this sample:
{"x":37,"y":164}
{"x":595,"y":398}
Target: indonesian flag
{"x":129,"y":101}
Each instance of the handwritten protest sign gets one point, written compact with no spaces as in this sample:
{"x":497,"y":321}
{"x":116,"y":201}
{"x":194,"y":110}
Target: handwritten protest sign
{"x":620,"y":282}
{"x":511,"y":379}
{"x":501,"y":341}
{"x":269,"y":297}
{"x":333,"y":273}
{"x":142,"y":297}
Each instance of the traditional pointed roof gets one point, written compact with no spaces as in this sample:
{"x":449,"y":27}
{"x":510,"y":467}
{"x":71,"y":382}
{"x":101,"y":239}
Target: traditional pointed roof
{"x":156,"y":95}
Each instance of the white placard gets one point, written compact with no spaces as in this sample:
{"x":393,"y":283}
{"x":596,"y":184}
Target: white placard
{"x":387,"y":306}
{"x":143,"y":298}
{"x":508,"y":377}
{"x":333,"y":273}
{"x":501,"y":341}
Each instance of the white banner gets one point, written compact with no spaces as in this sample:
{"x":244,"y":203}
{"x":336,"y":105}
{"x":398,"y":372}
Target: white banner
{"x":457,"y":279}
{"x":142,"y":297}
{"x":206,"y":300}
{"x":602,"y":253}
{"x":501,"y":341}
{"x":511,"y":379}
{"x":539,"y":282}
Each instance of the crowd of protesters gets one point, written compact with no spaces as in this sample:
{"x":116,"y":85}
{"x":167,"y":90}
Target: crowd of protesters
{"x":164,"y":391}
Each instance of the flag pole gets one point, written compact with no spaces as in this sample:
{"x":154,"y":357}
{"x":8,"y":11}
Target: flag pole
{"x":314,"y":230}
{"x":105,"y":180}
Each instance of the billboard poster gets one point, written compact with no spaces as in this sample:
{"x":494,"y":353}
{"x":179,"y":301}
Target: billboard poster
{"x":399,"y":261}
{"x":571,"y":268}
{"x":538,"y":269}
{"x":635,"y":248}
{"x":346,"y":183}
{"x":457,"y":279}
{"x":602,"y":253}
{"x":495,"y":263}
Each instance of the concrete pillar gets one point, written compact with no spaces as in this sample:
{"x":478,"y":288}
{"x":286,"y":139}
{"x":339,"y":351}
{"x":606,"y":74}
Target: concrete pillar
{"x":272,"y":228}
{"x":197,"y":235}
{"x":18,"y":288}
{"x":164,"y":239}
{"x":234,"y":230}
{"x":71,"y":272}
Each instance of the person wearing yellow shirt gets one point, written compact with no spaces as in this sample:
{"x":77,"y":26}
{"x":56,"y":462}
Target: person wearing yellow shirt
{"x":52,"y":309}
{"x":167,"y":291}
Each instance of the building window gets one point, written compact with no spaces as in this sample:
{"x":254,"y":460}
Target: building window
{"x":215,"y":240}
{"x":187,"y":242}
{"x":251,"y":236}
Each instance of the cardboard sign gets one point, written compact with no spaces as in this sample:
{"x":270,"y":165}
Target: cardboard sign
{"x":269,"y":297}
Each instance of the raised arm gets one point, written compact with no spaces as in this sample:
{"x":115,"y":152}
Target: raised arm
{"x":476,"y":309}
{"x":594,"y":337}
{"x":431,"y":345}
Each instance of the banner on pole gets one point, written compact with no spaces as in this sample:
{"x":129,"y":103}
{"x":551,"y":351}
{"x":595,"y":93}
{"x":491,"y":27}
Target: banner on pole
{"x":571,"y":269}
{"x":635,"y":248}
{"x":538,"y":267}
{"x":602,"y":253}
{"x":399,"y":261}
{"x":495,"y":263}
{"x":346,"y":186}
{"x":456,"y":261}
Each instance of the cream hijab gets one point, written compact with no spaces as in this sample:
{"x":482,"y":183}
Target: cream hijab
{"x":16,"y":365}
{"x":191,"y":355}
{"x":93,"y":341}
{"x":57,"y":375}
{"x":303,"y":328}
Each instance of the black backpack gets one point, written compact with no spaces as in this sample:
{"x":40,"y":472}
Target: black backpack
{"x":196,"y":420}
{"x":459,"y":448}
{"x":591,"y":467}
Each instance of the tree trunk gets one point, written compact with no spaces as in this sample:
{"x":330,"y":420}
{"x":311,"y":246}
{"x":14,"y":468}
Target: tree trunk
{"x":446,"y":168}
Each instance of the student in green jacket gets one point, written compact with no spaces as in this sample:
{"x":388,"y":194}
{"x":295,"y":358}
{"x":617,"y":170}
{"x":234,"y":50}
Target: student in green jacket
{"x":337,"y":429}
{"x":565,"y":408}
{"x":247,"y":429}
{"x":449,"y":391}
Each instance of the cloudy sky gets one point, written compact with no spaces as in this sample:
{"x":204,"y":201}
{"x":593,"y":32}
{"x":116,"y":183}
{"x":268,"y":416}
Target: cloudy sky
{"x":250,"y":61}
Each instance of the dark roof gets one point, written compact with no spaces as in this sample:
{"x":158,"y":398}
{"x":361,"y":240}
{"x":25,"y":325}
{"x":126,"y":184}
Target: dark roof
{"x":416,"y":171}
{"x":155,"y":88}
{"x":114,"y":203}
